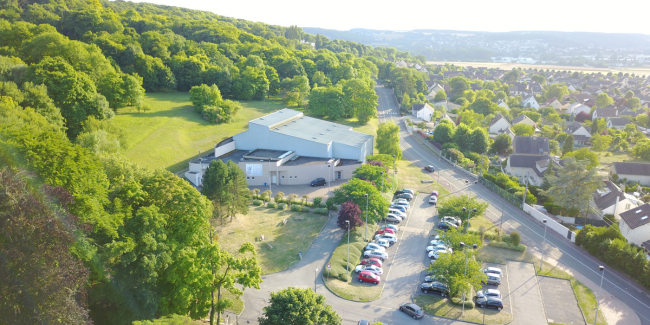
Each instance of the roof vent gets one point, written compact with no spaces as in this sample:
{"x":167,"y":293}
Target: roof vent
{"x":277,"y":129}
{"x":329,"y":130}
{"x":261,"y":118}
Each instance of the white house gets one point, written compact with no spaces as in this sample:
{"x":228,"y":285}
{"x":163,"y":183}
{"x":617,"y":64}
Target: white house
{"x":523,"y":119}
{"x":617,"y":122}
{"x":576,"y":108}
{"x":530,"y":101}
{"x":423,"y":111}
{"x":635,"y":224}
{"x":612,"y":200}
{"x":498,"y":125}
{"x":581,"y":133}
{"x":503,"y":104}
{"x":631,"y":171}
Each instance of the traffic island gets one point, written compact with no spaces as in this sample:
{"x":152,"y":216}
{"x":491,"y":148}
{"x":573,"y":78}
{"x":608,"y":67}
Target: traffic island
{"x":443,"y":307}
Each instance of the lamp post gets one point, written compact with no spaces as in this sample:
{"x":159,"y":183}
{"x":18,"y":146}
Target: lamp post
{"x":523,"y":200}
{"x":602,"y":270}
{"x":543,"y":247}
{"x":468,"y":213}
{"x":329,"y":174}
{"x":315,"y":277}
{"x":366,"y":216}
{"x":347,"y":266}
{"x":462,"y":246}
{"x":382,"y":182}
{"x":394,"y":171}
{"x":270,"y":172}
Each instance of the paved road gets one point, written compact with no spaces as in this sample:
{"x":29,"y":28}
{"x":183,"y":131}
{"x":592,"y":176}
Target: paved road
{"x":624,"y":297}
{"x":525,"y":294}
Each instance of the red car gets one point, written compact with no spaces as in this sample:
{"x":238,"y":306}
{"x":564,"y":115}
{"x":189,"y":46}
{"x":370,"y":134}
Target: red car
{"x":367,"y":276}
{"x":386,"y":231}
{"x":371,"y":261}
{"x":434,"y":193}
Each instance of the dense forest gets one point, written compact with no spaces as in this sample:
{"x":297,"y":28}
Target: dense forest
{"x":87,"y":237}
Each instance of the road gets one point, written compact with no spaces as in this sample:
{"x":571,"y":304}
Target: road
{"x":619,"y":292}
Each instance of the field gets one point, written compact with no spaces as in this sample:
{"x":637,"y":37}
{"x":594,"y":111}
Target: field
{"x":509,"y":66}
{"x":287,"y":240}
{"x":171,"y":133}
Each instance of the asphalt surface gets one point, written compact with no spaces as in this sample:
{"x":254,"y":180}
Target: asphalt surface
{"x":406,"y":269}
{"x":525,"y":294}
{"x":559,"y":301}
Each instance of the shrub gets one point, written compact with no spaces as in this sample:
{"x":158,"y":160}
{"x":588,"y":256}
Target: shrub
{"x":322,"y":205}
{"x":257,"y":202}
{"x":344,"y":277}
{"x":317,"y":200}
{"x":320,"y":210}
{"x":272,"y":205}
{"x":309,"y":204}
{"x":334,"y":207}
{"x":519,"y":248}
{"x":282,"y":206}
{"x":296,"y":208}
{"x":469,"y":304}
{"x":515,"y":238}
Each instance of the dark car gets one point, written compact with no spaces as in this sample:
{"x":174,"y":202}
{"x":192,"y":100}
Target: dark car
{"x":398,"y":207}
{"x":435,"y":286}
{"x":404,"y":190}
{"x":429,"y":168}
{"x":318,"y":182}
{"x":435,"y":278}
{"x":412,"y":310}
{"x":406,"y":196}
{"x":489,"y":302}
{"x":446,"y":226}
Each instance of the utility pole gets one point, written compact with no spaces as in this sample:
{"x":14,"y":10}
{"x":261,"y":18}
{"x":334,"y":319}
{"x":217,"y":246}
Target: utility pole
{"x":347,"y":266}
{"x":523,"y":200}
{"x":366,"y":217}
{"x":394,"y":172}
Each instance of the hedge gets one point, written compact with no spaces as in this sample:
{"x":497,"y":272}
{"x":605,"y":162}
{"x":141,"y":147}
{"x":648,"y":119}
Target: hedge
{"x":502,"y":244}
{"x":257,"y":202}
{"x":272,"y":205}
{"x":317,"y":201}
{"x":321,"y":211}
{"x":469,"y":304}
{"x":296,"y":208}
{"x":282,"y":206}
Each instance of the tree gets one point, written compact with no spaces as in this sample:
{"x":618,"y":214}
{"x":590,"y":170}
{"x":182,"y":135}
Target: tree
{"x":440,"y":95}
{"x":568,"y":145}
{"x":643,"y":120}
{"x":388,"y":139}
{"x":204,"y":95}
{"x":250,"y":84}
{"x":216,"y":187}
{"x":386,"y":160}
{"x":170,"y":320}
{"x":456,"y":236}
{"x":556,"y":90}
{"x":349,"y":211}
{"x":406,"y":102}
{"x":360,"y":99}
{"x":374,"y":174}
{"x":523,"y":129}
{"x":572,"y":186}
{"x":629,"y":94}
{"x":298,"y":306}
{"x":453,"y":206}
{"x":583,"y":116}
{"x":601,"y":142}
{"x":462,"y":137}
{"x":355,"y":191}
{"x":483,"y":106}
{"x":327,"y":102}
{"x":533,"y":115}
{"x":453,"y":268}
{"x":480,"y":141}
{"x":444,"y":133}
{"x":642,"y":149}
{"x":502,"y":143}
{"x":459,"y":84}
{"x":634,"y":103}
{"x":554,"y":118}
{"x":554,"y":147}
{"x":598,"y":125}
{"x":230,"y":272}
{"x":295,"y":90}
{"x":603,"y":100}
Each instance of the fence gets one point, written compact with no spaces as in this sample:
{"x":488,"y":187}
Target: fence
{"x":512,"y":199}
{"x":550,"y":223}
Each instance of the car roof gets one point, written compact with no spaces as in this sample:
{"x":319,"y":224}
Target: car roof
{"x":366,"y":272}
{"x":412,"y":305}
{"x":490,"y":268}
{"x":493,"y":274}
{"x":492,"y":291}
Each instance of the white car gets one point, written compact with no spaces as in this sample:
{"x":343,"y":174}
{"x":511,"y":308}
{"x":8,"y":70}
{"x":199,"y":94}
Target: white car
{"x":436,"y":242}
{"x":403,"y":203}
{"x":397,"y":212}
{"x":436,"y":254}
{"x":370,"y":268}
{"x":393,"y":218}
{"x":376,"y":254}
{"x":389,"y":237}
{"x":375,"y":247}
{"x":436,"y":247}
{"x":382,"y":242}
{"x":433,"y":199}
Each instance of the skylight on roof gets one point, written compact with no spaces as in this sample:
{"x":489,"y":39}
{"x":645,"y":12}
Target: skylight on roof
{"x":644,"y":217}
{"x":638,"y":211}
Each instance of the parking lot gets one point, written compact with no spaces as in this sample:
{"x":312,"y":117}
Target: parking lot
{"x":504,"y":287}
{"x":525,"y":294}
{"x":559,"y":301}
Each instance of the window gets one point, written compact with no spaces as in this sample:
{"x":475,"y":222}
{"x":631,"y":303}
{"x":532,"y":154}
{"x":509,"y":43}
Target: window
{"x":290,"y":177}
{"x":627,"y":206}
{"x":248,"y":177}
{"x":295,"y":177}
{"x":282,"y":176}
{"x":252,"y":177}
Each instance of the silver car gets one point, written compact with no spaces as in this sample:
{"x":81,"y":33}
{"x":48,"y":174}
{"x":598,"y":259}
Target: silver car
{"x":370,"y":268}
{"x":376,"y":254}
{"x":382,"y":242}
{"x":375,"y":247}
{"x":393,"y":218}
{"x":397,"y":212}
{"x":389,"y":237}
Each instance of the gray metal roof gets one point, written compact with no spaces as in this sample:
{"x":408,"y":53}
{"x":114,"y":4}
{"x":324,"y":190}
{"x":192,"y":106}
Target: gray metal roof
{"x":530,"y":145}
{"x":321,"y":131}
{"x":276,"y":117}
{"x":632,"y":168}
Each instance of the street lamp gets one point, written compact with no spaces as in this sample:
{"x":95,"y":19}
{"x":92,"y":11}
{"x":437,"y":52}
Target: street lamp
{"x":366,"y":216}
{"x":602,"y":270}
{"x":315,"y":277}
{"x":382,"y":182}
{"x":462,"y":246}
{"x":541,"y":266}
{"x":329,"y":174}
{"x":523,"y":200}
{"x":271,"y":175}
{"x":394,"y":171}
{"x":468,"y":212}
{"x":347,"y":266}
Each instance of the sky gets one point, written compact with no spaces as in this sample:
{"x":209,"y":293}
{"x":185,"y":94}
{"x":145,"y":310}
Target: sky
{"x":621,"y":16}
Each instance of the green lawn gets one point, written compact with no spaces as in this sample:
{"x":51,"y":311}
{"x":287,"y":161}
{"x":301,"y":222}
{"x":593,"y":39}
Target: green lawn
{"x":411,"y":176}
{"x":171,"y":133}
{"x":610,"y":157}
{"x":287,"y":240}
{"x":586,"y":297}
{"x":442,"y":307}
{"x":334,"y":279}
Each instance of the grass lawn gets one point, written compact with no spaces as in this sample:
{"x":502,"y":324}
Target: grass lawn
{"x":477,"y":222}
{"x":287,"y":240}
{"x":442,"y":307}
{"x":610,"y":157}
{"x":171,"y":133}
{"x":586,"y":297}
{"x":343,"y":283}
{"x":411,"y":176}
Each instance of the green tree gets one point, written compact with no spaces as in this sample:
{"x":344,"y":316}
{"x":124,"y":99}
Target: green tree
{"x":462,"y":137}
{"x":388,"y":139}
{"x":444,"y":133}
{"x":406,"y":102}
{"x":453,"y":206}
{"x":241,"y":196}
{"x":216,"y":187}
{"x":360,"y":99}
{"x":250,"y":84}
{"x":603,"y":100}
{"x":502,"y":143}
{"x":327,"y":102}
{"x":533,"y":115}
{"x":295,"y":90}
{"x":556,"y":90}
{"x":568,"y":145}
{"x":170,"y":320}
{"x":523,"y":129}
{"x":480,"y":141}
{"x":629,"y":94}
{"x":483,"y":106}
{"x":204,"y":95}
{"x":634,"y":103}
{"x":355,"y":190}
{"x":601,"y":142}
{"x":642,"y":149}
{"x":298,"y":306}
{"x":573,"y":184}
{"x":553,"y":118}
{"x":440,"y":95}
{"x":598,"y":125}
{"x":461,"y":273}
{"x":374,"y":174}
{"x":459,"y":84}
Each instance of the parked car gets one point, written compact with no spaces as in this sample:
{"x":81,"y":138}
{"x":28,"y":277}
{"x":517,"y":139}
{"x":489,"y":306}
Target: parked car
{"x":488,"y":293}
{"x":318,"y":182}
{"x":363,"y":322}
{"x":433,"y":248}
{"x":397,"y":207}
{"x":434,"y":193}
{"x":406,"y":196}
{"x":386,"y":231}
{"x":429,"y":168}
{"x":369,"y":268}
{"x":365,"y":276}
{"x":433,"y":199}
{"x":392,"y":239}
{"x":371,"y":261}
{"x":394,"y":227}
{"x":452,"y":220}
{"x":489,"y":302}
{"x":393,"y":218}
{"x":446,"y":226}
{"x":412,"y":310}
{"x":375,"y":246}
{"x":376,"y":254}
{"x":436,"y":254}
{"x":397,"y":212}
{"x":494,"y":270}
{"x":403,"y":203}
{"x":438,"y":287}
{"x":437,"y":278}
{"x":405,"y":190}
{"x":493,"y":279}
{"x":383,"y":243}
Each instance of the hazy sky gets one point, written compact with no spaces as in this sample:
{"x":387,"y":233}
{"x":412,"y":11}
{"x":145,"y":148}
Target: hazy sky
{"x":621,"y":16}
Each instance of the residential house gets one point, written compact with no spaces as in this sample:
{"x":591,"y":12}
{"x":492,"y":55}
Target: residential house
{"x":444,"y":117}
{"x":502,"y":103}
{"x":523,"y":119}
{"x":530,"y":158}
{"x":632,"y":171}
{"x":635,"y":224}
{"x":617,"y":122}
{"x":401,"y":64}
{"x":530,"y":145}
{"x":510,"y":133}
{"x":553,"y":102}
{"x":605,"y":112}
{"x":581,"y":133}
{"x":530,"y":101}
{"x":535,"y":88}
{"x":432,"y":90}
{"x":423,"y":111}
{"x":612,"y":200}
{"x":498,"y":125}
{"x":577,"y":108}
{"x":518,"y":89}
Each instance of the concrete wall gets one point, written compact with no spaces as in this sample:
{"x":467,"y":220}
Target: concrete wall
{"x":551,"y":224}
{"x":226,"y":148}
{"x":298,"y":175}
{"x":643,"y":180}
{"x":637,"y":235}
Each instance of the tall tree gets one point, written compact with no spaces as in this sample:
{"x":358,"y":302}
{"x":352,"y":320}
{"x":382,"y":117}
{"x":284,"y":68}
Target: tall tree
{"x":327,"y":102}
{"x":444,"y":132}
{"x":360,"y":99}
{"x":355,"y":191}
{"x":603,"y":100}
{"x":462,"y":138}
{"x":572,"y":186}
{"x":349,"y":211}
{"x":568,"y":145}
{"x":217,"y":185}
{"x":480,"y":141}
{"x":523,"y":129}
{"x":388,"y":139}
{"x":241,"y":196}
{"x":462,"y":273}
{"x":502,"y":143}
{"x":298,"y":306}
{"x":584,"y":155}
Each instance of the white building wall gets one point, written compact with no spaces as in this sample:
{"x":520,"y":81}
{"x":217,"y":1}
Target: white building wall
{"x":643,"y":180}
{"x":637,"y":235}
{"x":582,"y":131}
{"x":502,"y":124}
